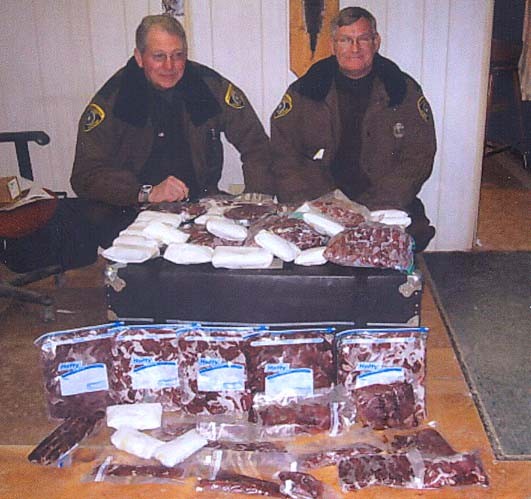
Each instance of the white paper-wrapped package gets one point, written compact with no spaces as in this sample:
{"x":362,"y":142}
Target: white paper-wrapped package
{"x":142,"y":416}
{"x":226,"y":229}
{"x":323,"y":224}
{"x":241,"y":257}
{"x":130,"y":254}
{"x":165,"y":233}
{"x":186,"y":253}
{"x":135,"y":229}
{"x":311,"y":256}
{"x":281,"y":248}
{"x":135,"y":442}
{"x":391,"y":217}
{"x":135,"y":240}
{"x":173,"y":219}
{"x":180,"y":448}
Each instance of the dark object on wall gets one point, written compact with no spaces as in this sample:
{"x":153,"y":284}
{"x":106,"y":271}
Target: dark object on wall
{"x":313,"y":17}
{"x":161,"y":291}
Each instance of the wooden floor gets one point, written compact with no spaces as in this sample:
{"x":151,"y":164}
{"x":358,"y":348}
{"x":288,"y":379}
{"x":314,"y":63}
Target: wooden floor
{"x":503,"y":225}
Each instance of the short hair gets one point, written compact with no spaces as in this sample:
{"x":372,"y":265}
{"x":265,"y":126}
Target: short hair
{"x":164,"y":22}
{"x":350,"y":15}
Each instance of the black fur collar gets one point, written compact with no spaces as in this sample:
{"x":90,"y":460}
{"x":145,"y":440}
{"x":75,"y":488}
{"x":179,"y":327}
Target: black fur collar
{"x":132,"y":100}
{"x":316,"y":83}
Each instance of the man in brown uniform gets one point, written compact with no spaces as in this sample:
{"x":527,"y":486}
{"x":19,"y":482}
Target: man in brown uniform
{"x":152,"y":132}
{"x":356,"y":122}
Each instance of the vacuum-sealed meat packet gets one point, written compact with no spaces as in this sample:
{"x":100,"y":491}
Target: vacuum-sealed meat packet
{"x":387,"y":360}
{"x":338,"y":207}
{"x":145,"y":361}
{"x":247,"y":213}
{"x":76,"y":366}
{"x":65,"y":439}
{"x":444,"y":466}
{"x":293,"y":230}
{"x":213,"y":371}
{"x":200,"y":236}
{"x":372,"y":245}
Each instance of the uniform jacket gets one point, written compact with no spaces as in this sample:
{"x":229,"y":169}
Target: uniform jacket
{"x":397,"y":137}
{"x":115,"y":135}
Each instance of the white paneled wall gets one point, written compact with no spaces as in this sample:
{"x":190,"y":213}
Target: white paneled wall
{"x":55,"y":54}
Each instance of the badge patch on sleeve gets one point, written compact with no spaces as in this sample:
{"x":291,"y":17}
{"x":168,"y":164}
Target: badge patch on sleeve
{"x":93,"y":116}
{"x":424,"y":108}
{"x":234,"y":98}
{"x":285,"y":106}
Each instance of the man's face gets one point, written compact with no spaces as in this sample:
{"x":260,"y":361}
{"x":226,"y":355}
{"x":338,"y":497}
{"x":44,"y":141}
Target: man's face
{"x":354,"y":47}
{"x":163,"y":60}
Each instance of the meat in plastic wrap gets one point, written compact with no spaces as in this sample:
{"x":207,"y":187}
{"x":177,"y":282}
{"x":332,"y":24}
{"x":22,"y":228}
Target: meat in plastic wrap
{"x":294,"y":230}
{"x":376,"y":365}
{"x":145,"y":361}
{"x":372,"y":245}
{"x":213,"y":371}
{"x":76,"y":366}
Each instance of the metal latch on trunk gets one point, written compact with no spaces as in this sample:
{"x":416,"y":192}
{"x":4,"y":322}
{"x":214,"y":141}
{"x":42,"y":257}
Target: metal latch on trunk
{"x":412,"y":284}
{"x":111,"y":277}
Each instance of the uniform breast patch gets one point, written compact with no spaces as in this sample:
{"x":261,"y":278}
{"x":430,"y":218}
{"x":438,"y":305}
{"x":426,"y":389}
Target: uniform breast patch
{"x":234,"y":98}
{"x":424,"y":108}
{"x":92,"y":117}
{"x":285,"y":106}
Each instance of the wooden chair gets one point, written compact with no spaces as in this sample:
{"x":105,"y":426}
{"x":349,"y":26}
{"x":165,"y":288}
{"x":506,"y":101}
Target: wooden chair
{"x":24,"y":220}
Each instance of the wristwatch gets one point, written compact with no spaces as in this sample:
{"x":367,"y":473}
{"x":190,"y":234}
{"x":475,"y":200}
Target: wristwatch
{"x":143,"y":193}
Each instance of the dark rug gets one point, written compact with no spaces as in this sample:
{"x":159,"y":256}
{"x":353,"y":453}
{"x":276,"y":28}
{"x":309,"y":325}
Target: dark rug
{"x":485,"y":301}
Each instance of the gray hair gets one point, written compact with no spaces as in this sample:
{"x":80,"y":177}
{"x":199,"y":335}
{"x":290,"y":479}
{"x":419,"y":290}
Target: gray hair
{"x":350,"y":15}
{"x":164,"y":22}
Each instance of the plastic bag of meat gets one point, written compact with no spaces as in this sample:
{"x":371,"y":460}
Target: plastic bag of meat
{"x":299,"y":485}
{"x":390,"y":470}
{"x":76,"y":366}
{"x":291,"y":362}
{"x":213,"y":371}
{"x":326,"y":450}
{"x":443,"y":465}
{"x":387,"y":360}
{"x":64,"y":439}
{"x":248,"y":213}
{"x":372,"y":245}
{"x":234,"y":483}
{"x":338,"y":207}
{"x":187,"y":210}
{"x":290,"y":416}
{"x":201,"y":237}
{"x":293,"y":230}
{"x":145,"y":363}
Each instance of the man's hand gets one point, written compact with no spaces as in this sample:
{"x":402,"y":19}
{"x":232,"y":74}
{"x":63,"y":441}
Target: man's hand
{"x":171,"y":189}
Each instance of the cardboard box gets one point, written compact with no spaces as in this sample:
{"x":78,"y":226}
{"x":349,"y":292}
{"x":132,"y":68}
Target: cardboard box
{"x":9,"y":189}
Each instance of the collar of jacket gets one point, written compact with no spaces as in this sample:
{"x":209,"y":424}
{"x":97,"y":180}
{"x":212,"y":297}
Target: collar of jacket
{"x":132,"y":100}
{"x":316,"y":83}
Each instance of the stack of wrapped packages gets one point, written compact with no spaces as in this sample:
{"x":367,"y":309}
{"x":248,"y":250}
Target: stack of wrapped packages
{"x":252,"y":410}
{"x":250,"y":231}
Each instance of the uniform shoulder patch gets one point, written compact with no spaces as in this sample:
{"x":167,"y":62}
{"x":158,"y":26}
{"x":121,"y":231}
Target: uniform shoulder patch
{"x":92,"y":117}
{"x":424,"y":108}
{"x":285,"y":106}
{"x":234,"y":98}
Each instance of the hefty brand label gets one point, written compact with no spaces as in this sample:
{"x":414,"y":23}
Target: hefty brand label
{"x":290,"y":383}
{"x":155,"y":375}
{"x":91,"y":378}
{"x":216,"y":375}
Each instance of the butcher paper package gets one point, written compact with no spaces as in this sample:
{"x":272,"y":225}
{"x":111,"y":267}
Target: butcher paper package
{"x":76,"y":366}
{"x":384,"y":370}
{"x":145,"y":363}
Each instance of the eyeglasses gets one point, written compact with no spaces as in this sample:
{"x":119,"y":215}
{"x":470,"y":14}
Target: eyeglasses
{"x":363,"y":40}
{"x":161,"y":57}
